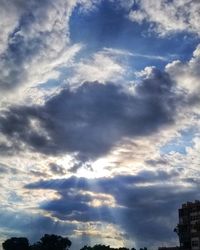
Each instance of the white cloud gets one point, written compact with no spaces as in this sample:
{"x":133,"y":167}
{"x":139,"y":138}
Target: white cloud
{"x":187,"y":74}
{"x":126,"y":53}
{"x":168,"y":16}
{"x":102,"y":67}
{"x":32,"y":52}
{"x":9,"y":21}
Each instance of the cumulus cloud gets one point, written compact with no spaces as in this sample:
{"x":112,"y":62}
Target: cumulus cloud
{"x":186,"y":74}
{"x":8,"y":22}
{"x":93,"y":118}
{"x":35,"y":45}
{"x":101,"y":67}
{"x":168,"y":16}
{"x":34,"y":42}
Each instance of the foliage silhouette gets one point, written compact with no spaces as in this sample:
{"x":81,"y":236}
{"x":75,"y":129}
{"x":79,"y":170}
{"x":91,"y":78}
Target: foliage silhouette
{"x":52,"y":242}
{"x":47,"y":242}
{"x":16,"y":244}
{"x":104,"y":247}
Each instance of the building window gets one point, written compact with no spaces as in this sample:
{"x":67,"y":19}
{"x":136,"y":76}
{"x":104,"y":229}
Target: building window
{"x":195,"y":243}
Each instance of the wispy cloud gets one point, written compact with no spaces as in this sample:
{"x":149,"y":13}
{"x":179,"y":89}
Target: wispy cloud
{"x":119,"y":52}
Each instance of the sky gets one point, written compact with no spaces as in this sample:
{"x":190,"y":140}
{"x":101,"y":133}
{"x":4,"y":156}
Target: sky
{"x":99,"y":119}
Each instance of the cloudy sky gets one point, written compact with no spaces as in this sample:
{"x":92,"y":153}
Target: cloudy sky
{"x":99,"y":119}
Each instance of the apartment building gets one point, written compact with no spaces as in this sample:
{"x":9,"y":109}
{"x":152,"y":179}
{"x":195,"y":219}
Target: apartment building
{"x":188,"y":228}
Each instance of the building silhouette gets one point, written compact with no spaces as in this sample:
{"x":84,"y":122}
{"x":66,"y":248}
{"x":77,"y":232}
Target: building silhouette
{"x":188,"y":228}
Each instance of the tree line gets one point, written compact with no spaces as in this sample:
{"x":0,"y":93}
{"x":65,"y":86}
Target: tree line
{"x":51,"y":242}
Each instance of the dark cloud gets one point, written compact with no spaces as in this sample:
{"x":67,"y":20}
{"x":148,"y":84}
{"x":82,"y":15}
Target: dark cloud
{"x":74,"y":206}
{"x":39,"y":174}
{"x":56,"y":169}
{"x":32,"y":226}
{"x":146,"y":203}
{"x":6,"y":149}
{"x":156,"y":162}
{"x":105,"y":183}
{"x":93,"y":118}
{"x":81,"y":162}
{"x":5,"y":169}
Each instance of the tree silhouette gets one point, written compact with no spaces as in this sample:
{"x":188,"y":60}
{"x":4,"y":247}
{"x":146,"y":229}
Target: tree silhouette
{"x":104,"y":247}
{"x":16,"y":244}
{"x":97,"y":247}
{"x":52,"y":242}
